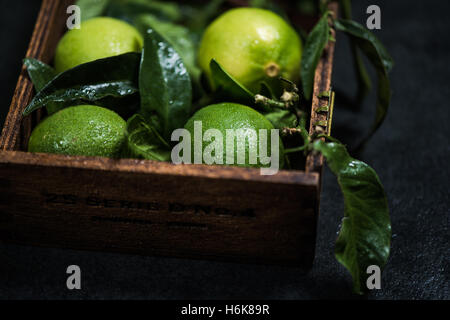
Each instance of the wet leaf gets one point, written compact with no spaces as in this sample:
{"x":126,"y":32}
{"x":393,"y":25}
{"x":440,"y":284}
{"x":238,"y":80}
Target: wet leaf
{"x":266,"y":91}
{"x":90,"y":83}
{"x":281,"y":118}
{"x":269,"y":5}
{"x":39,"y":72}
{"x":365,"y":235}
{"x":128,"y":10}
{"x":144,"y":141}
{"x":364,"y":83}
{"x":179,"y":38}
{"x":165,"y":85}
{"x":228,"y":87}
{"x":314,"y":46}
{"x":380,"y":59}
{"x":197,"y":17}
{"x":92,"y":8}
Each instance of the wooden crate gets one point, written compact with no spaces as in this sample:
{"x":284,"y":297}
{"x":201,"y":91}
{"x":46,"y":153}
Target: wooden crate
{"x":148,"y":207}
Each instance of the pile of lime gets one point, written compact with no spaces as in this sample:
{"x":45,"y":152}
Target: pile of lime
{"x":252,"y":45}
{"x":87,"y":129}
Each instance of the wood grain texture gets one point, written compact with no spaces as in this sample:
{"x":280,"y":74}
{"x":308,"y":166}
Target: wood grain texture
{"x":150,"y":207}
{"x":158,"y":208}
{"x":322,"y":83}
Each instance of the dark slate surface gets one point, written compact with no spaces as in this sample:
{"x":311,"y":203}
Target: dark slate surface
{"x":410,"y":153}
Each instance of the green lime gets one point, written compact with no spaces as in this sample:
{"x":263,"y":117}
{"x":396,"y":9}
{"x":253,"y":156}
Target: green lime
{"x":225,"y":116}
{"x":80,"y":130}
{"x":253,"y":45}
{"x":97,"y":38}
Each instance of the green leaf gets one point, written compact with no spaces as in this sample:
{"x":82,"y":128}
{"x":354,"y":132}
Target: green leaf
{"x":368,"y":43}
{"x":177,"y":36}
{"x":380,"y":59}
{"x":269,"y":5}
{"x":365,"y":235}
{"x":92,"y":8}
{"x":144,"y":141}
{"x":308,"y":7}
{"x":266,"y":91}
{"x":314,"y":46}
{"x":228,"y":87}
{"x":164,"y":83}
{"x":364,"y":83}
{"x":89,"y":83}
{"x":281,"y":118}
{"x":197,"y":17}
{"x":39,"y":72}
{"x":128,"y":10}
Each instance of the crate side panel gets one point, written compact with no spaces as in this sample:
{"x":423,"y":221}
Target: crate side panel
{"x":158,"y":214}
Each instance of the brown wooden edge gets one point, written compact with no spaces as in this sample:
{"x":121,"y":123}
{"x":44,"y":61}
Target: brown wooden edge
{"x":156,"y":167}
{"x":322,"y":83}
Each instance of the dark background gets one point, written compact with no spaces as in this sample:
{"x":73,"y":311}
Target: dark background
{"x":410,"y":154}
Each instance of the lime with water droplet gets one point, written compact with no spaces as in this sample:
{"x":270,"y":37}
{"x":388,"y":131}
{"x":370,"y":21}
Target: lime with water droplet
{"x":253,"y":45}
{"x":240,"y":119}
{"x":80,"y":130}
{"x":97,"y":38}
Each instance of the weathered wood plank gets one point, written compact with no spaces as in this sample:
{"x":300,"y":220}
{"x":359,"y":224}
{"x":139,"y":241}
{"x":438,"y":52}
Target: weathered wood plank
{"x":151,"y":207}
